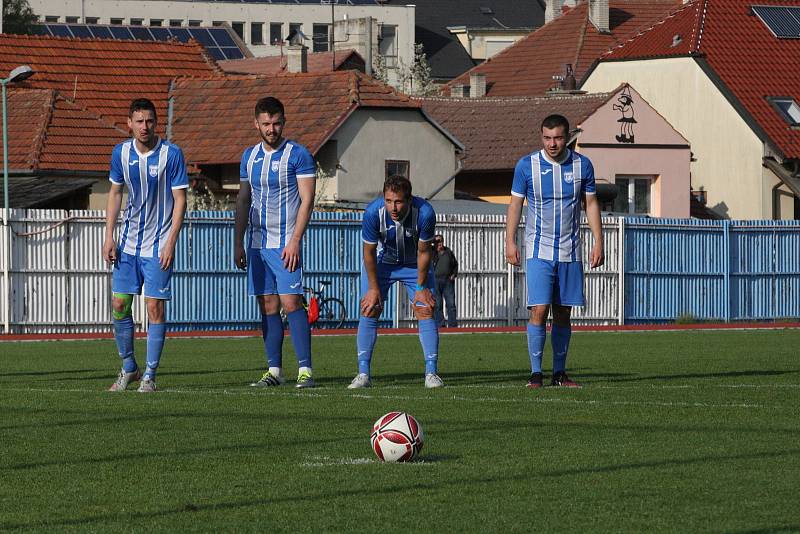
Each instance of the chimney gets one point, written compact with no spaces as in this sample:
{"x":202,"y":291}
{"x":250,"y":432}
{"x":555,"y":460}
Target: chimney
{"x":458,"y":91}
{"x":297,"y":58}
{"x":477,"y":85}
{"x":598,"y":15}
{"x":552,"y":10}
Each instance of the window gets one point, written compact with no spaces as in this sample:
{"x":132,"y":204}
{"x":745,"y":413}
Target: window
{"x":634,"y":194}
{"x":137,"y":22}
{"x":195,"y":23}
{"x":92,"y":20}
{"x":257,"y":33}
{"x":275,"y":32}
{"x":116,"y":21}
{"x":787,"y":108}
{"x":321,"y":38}
{"x":398,"y":167}
{"x":175,"y":23}
{"x":238,"y":28}
{"x":71,"y":20}
{"x":387,"y":45}
{"x":50,"y":18}
{"x":156,"y":22}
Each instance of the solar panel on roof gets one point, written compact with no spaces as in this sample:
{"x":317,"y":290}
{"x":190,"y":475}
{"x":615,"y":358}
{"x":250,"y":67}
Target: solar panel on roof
{"x":181,"y":34}
{"x":101,"y":32}
{"x":140,"y":33}
{"x":232,"y":52}
{"x":216,"y":53}
{"x":59,"y":30}
{"x":120,"y":32}
{"x":222,"y":37}
{"x":202,"y":35}
{"x":160,"y":34}
{"x":39,"y":29}
{"x":80,"y":30}
{"x":782,"y":21}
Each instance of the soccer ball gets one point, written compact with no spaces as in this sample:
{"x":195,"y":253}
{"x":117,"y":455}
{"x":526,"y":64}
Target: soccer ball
{"x":396,"y":437}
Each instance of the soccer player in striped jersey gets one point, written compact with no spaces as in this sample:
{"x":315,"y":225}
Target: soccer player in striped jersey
{"x":554,"y":181}
{"x":397,"y":231}
{"x":154,"y":173}
{"x":276,"y":197}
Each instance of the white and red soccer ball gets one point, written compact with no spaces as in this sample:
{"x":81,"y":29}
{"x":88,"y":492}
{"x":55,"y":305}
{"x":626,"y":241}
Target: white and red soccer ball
{"x":397,"y":437}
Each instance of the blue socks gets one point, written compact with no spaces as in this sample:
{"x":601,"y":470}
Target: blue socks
{"x":301,"y":336}
{"x":536,"y":337}
{"x":272,"y":333}
{"x":123,"y":333}
{"x":429,"y":339}
{"x":155,"y":344}
{"x":365,"y":342}
{"x":560,"y":343}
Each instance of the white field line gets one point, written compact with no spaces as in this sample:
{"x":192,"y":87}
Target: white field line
{"x":437,"y":398}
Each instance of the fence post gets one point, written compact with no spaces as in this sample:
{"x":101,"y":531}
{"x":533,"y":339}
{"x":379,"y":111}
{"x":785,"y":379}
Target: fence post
{"x":621,"y":274}
{"x":726,"y":269}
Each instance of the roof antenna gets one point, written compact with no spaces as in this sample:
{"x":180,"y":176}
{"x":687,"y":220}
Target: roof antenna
{"x":75,"y":88}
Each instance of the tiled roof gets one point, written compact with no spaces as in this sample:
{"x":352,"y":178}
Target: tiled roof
{"x":498,"y":131}
{"x":317,"y":62}
{"x":750,"y":62}
{"x":37,"y":191}
{"x":105,"y":75}
{"x":527,"y":67}
{"x":47,"y":132}
{"x":445,"y":54}
{"x":316,"y":105}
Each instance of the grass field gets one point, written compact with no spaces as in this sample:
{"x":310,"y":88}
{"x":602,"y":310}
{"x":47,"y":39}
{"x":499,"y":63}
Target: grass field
{"x":673,"y":431}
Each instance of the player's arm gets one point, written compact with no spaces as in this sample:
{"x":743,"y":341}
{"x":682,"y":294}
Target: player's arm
{"x":513,"y":216}
{"x":291,"y":252}
{"x":242,"y":211}
{"x":596,"y":257}
{"x":372,"y":299}
{"x":167,"y":255}
{"x":424,"y":259}
{"x":113,"y":205}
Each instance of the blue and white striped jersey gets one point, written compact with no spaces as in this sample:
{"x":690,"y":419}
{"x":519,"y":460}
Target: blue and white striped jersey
{"x":274,"y":196}
{"x":553,"y":191}
{"x":397,"y":241}
{"x":150,"y":179}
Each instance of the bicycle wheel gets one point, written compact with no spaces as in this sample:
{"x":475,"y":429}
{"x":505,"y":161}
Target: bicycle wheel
{"x":332,"y":312}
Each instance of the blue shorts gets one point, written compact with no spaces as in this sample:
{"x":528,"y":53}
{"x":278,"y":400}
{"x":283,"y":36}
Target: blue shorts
{"x":388,"y":274}
{"x":554,"y":282}
{"x":132,"y":272}
{"x":267,"y":275}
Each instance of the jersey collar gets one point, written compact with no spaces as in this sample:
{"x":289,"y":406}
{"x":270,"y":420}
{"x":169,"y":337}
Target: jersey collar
{"x":146,"y":154}
{"x":567,"y":156}
{"x":270,"y":152}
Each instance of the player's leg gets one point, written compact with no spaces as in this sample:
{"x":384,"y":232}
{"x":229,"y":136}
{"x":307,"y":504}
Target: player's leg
{"x":125,"y":283}
{"x":428,"y":327}
{"x":568,"y":293}
{"x":290,"y":288}
{"x":261,"y":284}
{"x":540,"y":279}
{"x":157,"y":291}
{"x":367,"y":334}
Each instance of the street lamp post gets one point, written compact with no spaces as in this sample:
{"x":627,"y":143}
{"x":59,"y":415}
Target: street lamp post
{"x":23,"y":72}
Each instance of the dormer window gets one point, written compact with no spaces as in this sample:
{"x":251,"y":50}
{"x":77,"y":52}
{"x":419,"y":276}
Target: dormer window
{"x":787,"y":108}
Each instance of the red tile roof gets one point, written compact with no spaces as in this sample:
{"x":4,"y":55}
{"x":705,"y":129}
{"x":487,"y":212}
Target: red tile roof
{"x":750,"y":62}
{"x":47,"y":132}
{"x":104,"y":75}
{"x":316,"y":105}
{"x":498,"y":131}
{"x":317,"y":62}
{"x":527,"y":67}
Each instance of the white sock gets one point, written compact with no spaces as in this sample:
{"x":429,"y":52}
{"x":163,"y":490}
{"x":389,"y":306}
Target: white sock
{"x":276,"y":371}
{"x":304,"y":370}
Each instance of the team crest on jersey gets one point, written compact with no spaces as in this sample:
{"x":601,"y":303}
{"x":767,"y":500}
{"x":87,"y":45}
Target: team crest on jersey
{"x":275,"y":166}
{"x":569,"y":177}
{"x":153,"y":169}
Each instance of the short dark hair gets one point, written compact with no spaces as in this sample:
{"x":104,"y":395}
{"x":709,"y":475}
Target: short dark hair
{"x":141,"y":104}
{"x":269,"y":105}
{"x":398,"y":184}
{"x":554,"y":121}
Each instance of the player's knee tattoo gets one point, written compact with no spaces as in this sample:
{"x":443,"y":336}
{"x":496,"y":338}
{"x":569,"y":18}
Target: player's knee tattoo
{"x":127,"y":303}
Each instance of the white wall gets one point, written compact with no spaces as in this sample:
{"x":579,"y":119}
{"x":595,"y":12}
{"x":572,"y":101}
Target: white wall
{"x":728,"y":154}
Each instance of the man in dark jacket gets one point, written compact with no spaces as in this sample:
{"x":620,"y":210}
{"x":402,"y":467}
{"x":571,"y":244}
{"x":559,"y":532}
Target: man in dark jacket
{"x":445,"y":268}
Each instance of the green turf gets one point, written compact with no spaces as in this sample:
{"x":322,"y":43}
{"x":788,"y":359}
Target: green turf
{"x":673,"y":431}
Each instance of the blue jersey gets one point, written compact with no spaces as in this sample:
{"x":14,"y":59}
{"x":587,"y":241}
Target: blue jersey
{"x":553,"y":191}
{"x":397,"y":241}
{"x":150,"y":179}
{"x":274,"y":196}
